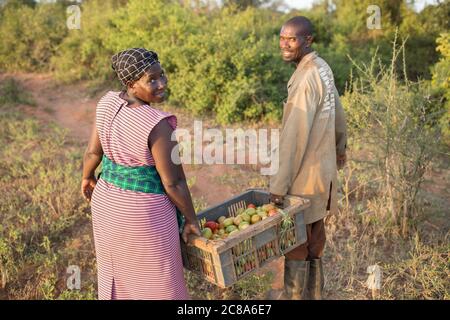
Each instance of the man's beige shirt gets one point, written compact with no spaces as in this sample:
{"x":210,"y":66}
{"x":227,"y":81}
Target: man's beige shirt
{"x":313,"y":132}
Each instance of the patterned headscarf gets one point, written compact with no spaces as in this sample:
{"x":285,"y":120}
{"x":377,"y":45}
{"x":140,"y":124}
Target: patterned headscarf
{"x":131,"y":64}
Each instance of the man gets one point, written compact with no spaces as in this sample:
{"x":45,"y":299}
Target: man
{"x":312,"y":147}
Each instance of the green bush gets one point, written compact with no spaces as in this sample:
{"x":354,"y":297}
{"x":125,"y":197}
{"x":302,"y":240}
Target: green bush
{"x":30,"y":36}
{"x":396,"y":122}
{"x":441,"y":82}
{"x":220,"y":61}
{"x":84,"y":54}
{"x":235,"y":70}
{"x":226,"y":62}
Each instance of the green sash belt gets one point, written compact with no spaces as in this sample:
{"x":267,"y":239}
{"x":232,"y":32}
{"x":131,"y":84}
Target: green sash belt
{"x":141,"y":179}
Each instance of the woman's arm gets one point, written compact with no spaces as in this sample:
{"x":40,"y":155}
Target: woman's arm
{"x":172,"y":175}
{"x":92,"y":158}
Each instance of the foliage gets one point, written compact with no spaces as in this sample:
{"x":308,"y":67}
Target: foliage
{"x":441,"y":82}
{"x":221,"y":61}
{"x":30,"y":36}
{"x":230,"y":68}
{"x":396,"y":122}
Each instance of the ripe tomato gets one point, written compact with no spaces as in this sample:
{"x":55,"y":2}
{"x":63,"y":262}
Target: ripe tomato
{"x":212,"y":225}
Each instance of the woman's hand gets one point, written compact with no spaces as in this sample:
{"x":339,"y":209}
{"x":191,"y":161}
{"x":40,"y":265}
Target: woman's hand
{"x":190,"y":227}
{"x":87,"y":187}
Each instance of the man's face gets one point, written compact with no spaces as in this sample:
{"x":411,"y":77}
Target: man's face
{"x":152,"y":85}
{"x":292,"y":44}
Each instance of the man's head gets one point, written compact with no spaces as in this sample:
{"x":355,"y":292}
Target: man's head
{"x":140,"y":71}
{"x":296,"y":37}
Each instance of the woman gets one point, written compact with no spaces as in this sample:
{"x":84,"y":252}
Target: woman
{"x":134,"y":201}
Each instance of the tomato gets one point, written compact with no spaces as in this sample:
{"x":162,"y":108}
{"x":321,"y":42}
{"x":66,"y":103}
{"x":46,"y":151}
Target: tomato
{"x":212,"y":225}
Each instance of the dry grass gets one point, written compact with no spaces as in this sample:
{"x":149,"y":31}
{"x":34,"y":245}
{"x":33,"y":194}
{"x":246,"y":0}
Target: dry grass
{"x":413,"y":267}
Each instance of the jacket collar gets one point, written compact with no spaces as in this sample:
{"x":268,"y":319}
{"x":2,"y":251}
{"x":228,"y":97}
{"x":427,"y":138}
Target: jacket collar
{"x":306,"y":59}
{"x":310,"y":56}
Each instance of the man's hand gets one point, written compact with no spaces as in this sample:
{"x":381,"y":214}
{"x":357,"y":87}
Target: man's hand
{"x":190,"y":227}
{"x":277,"y":199}
{"x":340,"y":160}
{"x":87,"y":187}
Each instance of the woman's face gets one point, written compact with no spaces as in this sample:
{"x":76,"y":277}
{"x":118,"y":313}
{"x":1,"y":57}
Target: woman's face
{"x":151,"y":87}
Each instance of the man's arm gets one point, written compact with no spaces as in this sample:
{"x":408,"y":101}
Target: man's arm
{"x":295,"y":135}
{"x":341,"y":131}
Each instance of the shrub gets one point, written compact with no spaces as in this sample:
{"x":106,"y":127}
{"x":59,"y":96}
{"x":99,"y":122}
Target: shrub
{"x":226,"y":62}
{"x":441,"y":82}
{"x":30,"y":37}
{"x":395,"y":121}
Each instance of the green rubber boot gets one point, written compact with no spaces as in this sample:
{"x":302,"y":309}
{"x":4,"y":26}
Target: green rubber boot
{"x":296,"y":274}
{"x":316,"y":279}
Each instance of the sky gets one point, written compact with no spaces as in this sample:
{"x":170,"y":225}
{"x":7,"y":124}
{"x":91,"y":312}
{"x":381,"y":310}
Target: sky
{"x":305,"y":4}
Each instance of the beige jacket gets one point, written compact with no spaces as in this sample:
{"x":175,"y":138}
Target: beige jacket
{"x":313,"y":132}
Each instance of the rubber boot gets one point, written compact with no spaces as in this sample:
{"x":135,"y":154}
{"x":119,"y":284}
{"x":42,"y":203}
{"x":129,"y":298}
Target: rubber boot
{"x":296,"y":273}
{"x":316,"y":279}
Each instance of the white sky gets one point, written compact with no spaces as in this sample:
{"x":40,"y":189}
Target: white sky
{"x":304,"y":4}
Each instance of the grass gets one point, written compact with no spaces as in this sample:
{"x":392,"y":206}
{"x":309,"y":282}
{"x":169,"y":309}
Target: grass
{"x":252,"y":287}
{"x":41,"y":209}
{"x":242,"y":180}
{"x":422,"y":274}
{"x":12,"y":94}
{"x":413,"y":267}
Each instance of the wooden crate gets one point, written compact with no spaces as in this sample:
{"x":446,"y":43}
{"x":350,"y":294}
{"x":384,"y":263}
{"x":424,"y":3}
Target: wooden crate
{"x":225,"y":261}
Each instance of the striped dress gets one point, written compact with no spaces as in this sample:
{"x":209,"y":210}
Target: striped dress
{"x":136,"y":234}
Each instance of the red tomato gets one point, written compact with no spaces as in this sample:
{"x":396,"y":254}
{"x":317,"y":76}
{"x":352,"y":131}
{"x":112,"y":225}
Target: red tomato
{"x":212,"y":225}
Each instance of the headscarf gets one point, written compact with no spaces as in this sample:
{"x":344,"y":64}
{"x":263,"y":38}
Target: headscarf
{"x":131,"y":64}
